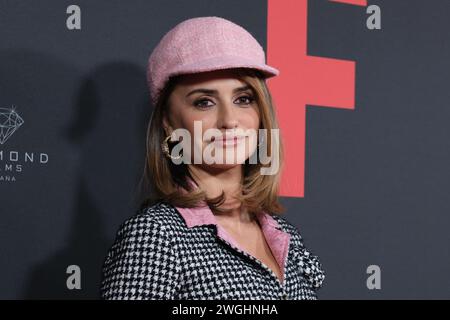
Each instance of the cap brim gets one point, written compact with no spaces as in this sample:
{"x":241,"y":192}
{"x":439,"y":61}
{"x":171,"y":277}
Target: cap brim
{"x":224,"y":62}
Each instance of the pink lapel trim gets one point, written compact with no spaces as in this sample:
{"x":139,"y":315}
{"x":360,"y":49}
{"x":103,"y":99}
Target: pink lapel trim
{"x":277,"y":240}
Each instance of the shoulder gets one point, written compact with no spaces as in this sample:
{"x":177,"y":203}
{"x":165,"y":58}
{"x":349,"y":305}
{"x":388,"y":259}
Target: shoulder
{"x":144,"y":246}
{"x":160,"y":216}
{"x":150,"y":227}
{"x":149,"y":233}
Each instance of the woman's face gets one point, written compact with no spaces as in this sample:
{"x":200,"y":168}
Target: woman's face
{"x":215,"y":100}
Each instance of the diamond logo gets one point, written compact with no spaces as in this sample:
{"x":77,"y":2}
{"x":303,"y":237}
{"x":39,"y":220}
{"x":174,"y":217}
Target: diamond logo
{"x":10,"y":121}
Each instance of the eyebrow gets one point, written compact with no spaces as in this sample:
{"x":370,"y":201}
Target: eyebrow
{"x":212,"y":91}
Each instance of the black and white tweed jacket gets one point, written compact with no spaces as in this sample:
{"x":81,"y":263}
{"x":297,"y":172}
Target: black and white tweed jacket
{"x":156,"y":256}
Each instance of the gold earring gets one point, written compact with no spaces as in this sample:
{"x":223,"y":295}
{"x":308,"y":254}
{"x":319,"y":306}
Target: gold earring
{"x":166,"y":151}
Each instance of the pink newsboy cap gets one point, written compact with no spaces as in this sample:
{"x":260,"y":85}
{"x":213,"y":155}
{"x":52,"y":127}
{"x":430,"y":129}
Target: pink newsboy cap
{"x":203,"y":44}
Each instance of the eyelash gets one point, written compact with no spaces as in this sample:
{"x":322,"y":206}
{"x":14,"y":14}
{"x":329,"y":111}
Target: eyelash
{"x":197,"y":102}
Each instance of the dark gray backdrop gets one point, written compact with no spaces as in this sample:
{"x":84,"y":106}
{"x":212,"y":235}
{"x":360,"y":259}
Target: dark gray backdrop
{"x":376,"y":177}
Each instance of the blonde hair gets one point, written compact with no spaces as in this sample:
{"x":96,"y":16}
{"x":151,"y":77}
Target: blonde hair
{"x":259,"y":192}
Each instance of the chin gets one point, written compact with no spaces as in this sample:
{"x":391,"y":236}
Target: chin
{"x":222,"y":166}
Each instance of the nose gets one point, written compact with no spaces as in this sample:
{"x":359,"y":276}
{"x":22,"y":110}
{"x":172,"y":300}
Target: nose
{"x":227,"y":117}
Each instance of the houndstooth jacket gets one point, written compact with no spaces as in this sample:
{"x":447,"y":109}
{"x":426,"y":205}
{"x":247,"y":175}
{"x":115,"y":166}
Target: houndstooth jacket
{"x":166,"y":252}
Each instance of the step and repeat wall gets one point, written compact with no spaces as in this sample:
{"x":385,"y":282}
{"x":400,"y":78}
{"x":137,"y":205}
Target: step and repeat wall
{"x":363,"y":97}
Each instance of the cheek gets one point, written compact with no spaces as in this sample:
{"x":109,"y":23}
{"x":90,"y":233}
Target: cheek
{"x":250,"y":119}
{"x":204,"y":122}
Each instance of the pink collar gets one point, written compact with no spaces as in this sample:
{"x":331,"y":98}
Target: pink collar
{"x":203,"y":215}
{"x":277,"y":240}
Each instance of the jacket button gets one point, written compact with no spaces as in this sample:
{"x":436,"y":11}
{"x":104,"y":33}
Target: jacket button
{"x":285,"y":296}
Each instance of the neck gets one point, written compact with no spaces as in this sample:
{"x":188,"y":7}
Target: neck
{"x":213,"y":181}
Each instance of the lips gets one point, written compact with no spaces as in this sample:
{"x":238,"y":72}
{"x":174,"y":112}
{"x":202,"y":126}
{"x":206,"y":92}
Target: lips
{"x":235,"y":138}
{"x":228,"y":141}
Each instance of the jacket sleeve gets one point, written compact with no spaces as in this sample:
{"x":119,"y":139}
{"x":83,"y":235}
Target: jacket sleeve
{"x":142,"y":263}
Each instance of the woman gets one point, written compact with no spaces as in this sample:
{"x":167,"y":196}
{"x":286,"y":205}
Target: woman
{"x":211,"y":229}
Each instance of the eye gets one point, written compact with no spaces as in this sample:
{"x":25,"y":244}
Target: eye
{"x":200,"y":104}
{"x":249,"y":99}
